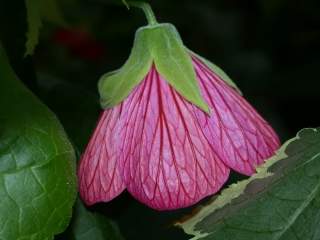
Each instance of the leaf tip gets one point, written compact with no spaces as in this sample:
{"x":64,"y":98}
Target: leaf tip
{"x":126,"y":4}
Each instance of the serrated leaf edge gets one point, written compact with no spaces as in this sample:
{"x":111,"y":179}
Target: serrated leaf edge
{"x":235,"y":190}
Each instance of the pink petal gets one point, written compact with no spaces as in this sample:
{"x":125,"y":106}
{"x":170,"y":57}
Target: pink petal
{"x":99,"y":171}
{"x":240,"y":136}
{"x":167,"y":160}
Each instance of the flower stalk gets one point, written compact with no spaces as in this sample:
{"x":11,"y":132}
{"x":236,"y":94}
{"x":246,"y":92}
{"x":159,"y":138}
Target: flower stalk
{"x":146,"y":8}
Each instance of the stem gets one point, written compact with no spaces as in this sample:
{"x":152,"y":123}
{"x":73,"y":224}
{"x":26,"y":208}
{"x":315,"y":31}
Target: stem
{"x":147,"y":11}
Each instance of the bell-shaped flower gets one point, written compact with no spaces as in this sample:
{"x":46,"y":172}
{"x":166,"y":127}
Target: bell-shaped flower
{"x":173,"y":127}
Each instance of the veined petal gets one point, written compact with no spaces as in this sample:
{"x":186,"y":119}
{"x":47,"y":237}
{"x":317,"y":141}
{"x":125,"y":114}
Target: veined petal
{"x":166,"y":158}
{"x":99,"y":172}
{"x":240,"y":136}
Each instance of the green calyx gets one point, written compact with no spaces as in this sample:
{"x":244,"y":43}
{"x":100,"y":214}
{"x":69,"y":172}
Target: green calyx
{"x":161,"y":45}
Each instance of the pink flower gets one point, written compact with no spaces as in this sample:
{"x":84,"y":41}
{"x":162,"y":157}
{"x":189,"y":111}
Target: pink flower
{"x":166,"y":151}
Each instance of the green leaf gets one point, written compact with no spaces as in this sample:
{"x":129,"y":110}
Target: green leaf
{"x":92,"y":226}
{"x":34,"y":24}
{"x":36,"y":11}
{"x":281,"y":201}
{"x":37,"y":164}
{"x":174,"y":63}
{"x":217,"y":70}
{"x":126,"y":4}
{"x":56,"y":92}
{"x":114,"y":87}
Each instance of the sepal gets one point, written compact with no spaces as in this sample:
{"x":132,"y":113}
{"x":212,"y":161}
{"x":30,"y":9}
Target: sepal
{"x":174,"y":63}
{"x":115,"y":86}
{"x":161,"y":45}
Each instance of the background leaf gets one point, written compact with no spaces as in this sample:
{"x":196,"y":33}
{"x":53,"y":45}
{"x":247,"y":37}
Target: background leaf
{"x":34,"y":24}
{"x":37,"y":164}
{"x":93,"y":226}
{"x":281,"y":201}
{"x":125,"y":3}
{"x":78,"y":118}
{"x":36,"y":11}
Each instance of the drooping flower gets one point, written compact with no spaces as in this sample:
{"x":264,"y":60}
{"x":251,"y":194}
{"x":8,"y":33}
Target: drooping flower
{"x":173,"y":127}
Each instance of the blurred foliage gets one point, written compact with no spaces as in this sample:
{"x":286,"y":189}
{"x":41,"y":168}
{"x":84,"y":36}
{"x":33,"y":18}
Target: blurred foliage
{"x":86,"y":225}
{"x":270,"y":48}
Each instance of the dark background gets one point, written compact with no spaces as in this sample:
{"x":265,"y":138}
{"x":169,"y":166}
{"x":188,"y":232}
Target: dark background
{"x":270,"y":48}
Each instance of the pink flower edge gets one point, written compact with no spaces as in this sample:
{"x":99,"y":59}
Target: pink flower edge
{"x":167,"y":152}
